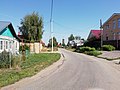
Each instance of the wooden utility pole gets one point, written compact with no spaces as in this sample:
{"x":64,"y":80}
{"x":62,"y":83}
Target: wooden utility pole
{"x":101,"y":29}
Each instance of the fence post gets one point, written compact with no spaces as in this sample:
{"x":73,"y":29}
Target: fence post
{"x":10,"y":60}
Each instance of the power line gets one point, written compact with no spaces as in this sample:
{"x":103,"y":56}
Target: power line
{"x":64,"y":26}
{"x":71,"y":29}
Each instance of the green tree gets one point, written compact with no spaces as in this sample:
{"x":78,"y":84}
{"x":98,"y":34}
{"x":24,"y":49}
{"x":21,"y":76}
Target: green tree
{"x":31,"y":27}
{"x":71,"y":37}
{"x":55,"y":43}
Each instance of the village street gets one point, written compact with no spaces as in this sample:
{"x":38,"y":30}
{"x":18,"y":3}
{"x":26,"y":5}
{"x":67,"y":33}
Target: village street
{"x":73,"y":72}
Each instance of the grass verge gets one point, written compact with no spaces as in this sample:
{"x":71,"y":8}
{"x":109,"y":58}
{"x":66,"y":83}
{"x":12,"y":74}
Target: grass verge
{"x":33,"y":64}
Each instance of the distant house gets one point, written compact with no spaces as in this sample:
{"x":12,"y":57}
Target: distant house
{"x":76,"y":42}
{"x":111,"y":30}
{"x":8,"y":38}
{"x":94,"y":39}
{"x":94,"y":34}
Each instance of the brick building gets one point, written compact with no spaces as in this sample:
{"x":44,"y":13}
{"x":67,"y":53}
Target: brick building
{"x":111,"y":31}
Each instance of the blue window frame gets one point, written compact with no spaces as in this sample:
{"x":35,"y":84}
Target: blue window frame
{"x":107,"y":26}
{"x":114,"y":24}
{"x":119,"y":23}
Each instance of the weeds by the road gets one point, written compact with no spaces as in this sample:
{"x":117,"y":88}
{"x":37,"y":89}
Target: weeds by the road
{"x":30,"y":67}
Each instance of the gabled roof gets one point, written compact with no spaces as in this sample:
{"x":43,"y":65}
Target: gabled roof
{"x":95,"y":33}
{"x":4,"y":24}
{"x":112,"y":17}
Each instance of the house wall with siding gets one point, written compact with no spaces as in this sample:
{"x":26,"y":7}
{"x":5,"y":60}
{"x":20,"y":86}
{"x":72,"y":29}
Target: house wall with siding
{"x":7,"y":33}
{"x":9,"y":43}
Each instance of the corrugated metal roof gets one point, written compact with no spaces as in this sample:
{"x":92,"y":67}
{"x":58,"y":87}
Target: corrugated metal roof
{"x":3,"y":24}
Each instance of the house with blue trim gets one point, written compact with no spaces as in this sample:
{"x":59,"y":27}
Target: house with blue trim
{"x":9,"y":41}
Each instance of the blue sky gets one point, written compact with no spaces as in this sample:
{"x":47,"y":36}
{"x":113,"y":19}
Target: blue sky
{"x":76,"y":17}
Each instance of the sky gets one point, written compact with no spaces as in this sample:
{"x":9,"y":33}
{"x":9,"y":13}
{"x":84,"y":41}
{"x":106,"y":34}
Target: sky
{"x":75,"y":17}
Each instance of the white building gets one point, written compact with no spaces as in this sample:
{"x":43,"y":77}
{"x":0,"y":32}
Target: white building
{"x":8,"y":38}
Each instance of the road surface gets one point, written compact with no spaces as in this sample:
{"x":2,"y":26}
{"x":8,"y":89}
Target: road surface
{"x":77,"y":72}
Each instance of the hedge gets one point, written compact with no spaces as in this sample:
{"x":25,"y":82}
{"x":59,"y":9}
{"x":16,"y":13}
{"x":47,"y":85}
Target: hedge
{"x":83,"y":49}
{"x":108,"y":47}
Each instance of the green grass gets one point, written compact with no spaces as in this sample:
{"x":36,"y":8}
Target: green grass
{"x":32,"y":65}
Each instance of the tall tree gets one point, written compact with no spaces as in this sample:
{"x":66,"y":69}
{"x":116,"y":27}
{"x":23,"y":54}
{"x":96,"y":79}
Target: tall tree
{"x":71,"y":37}
{"x":31,"y":27}
{"x":55,"y":43}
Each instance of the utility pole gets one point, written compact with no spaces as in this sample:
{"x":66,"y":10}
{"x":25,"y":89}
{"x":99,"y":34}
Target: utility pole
{"x":101,"y":28}
{"x":51,"y":23}
{"x":117,"y":39}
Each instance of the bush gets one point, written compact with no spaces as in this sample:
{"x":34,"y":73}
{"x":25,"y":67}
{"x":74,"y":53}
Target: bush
{"x":4,"y":59}
{"x":89,"y":51}
{"x":93,"y":53}
{"x":83,"y":49}
{"x":108,"y":47}
{"x":7,"y":60}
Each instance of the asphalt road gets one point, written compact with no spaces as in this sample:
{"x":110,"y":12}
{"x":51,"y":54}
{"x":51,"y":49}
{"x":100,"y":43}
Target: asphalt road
{"x":77,"y":72}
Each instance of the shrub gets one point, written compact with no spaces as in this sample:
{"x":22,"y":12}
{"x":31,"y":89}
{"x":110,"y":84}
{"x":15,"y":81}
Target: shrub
{"x":108,"y":47}
{"x":4,"y":59}
{"x":83,"y":49}
{"x":93,"y":53}
{"x":89,"y":51}
{"x":7,"y":60}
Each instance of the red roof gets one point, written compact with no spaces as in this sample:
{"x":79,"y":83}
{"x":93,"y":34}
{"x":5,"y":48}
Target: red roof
{"x":96,"y":33}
